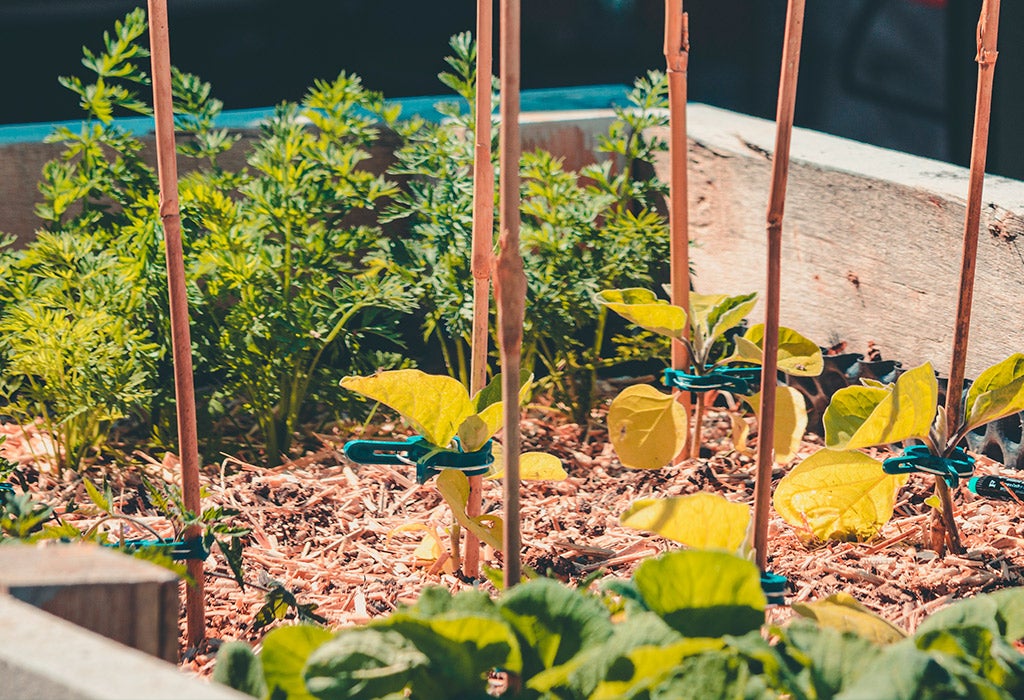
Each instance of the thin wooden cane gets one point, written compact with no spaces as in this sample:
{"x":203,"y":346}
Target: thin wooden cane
{"x":988,"y":30}
{"x":510,"y":281}
{"x":181,"y":343}
{"x":677,"y":57}
{"x":483,"y":241}
{"x":776,"y":206}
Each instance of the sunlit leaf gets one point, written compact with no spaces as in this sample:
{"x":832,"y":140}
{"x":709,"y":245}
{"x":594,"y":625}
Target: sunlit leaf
{"x":714,"y":314}
{"x":698,"y":520}
{"x":239,"y":668}
{"x":837,"y":495}
{"x":843,"y":612}
{"x":740,"y":434}
{"x":285,"y":653}
{"x":454,"y":488}
{"x":996,"y":393}
{"x":644,"y":665}
{"x":362,"y":664}
{"x":435,"y":405}
{"x":865,"y":416}
{"x":797,"y":356}
{"x":533,"y":466}
{"x":642,"y":307}
{"x":790,"y":420}
{"x":646,"y":427}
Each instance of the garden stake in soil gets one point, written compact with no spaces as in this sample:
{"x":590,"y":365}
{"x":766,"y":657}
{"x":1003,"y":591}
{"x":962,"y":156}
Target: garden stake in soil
{"x":776,"y":205}
{"x":510,"y":281}
{"x":988,"y":30}
{"x":181,"y":342}
{"x":483,"y":241}
{"x":677,"y":55}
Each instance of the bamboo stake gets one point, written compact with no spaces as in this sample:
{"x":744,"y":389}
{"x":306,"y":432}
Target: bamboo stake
{"x":181,"y":343}
{"x":677,"y":57}
{"x":510,"y":281}
{"x":776,"y":205}
{"x":483,"y":241}
{"x":988,"y":30}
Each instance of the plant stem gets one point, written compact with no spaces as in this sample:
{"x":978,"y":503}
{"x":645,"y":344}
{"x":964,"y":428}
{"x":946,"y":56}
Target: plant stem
{"x":698,"y":425}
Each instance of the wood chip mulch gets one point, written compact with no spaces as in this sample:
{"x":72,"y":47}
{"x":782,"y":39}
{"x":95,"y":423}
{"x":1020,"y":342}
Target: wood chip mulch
{"x":356,"y":540}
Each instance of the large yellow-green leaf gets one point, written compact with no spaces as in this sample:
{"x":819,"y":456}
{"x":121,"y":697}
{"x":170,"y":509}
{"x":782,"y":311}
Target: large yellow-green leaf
{"x":698,"y":520}
{"x":646,"y":427}
{"x":865,"y":416}
{"x":843,"y":612}
{"x":642,"y":307}
{"x":840,"y":495}
{"x":649,"y":663}
{"x":997,"y":392}
{"x":790,"y":420}
{"x":533,"y":466}
{"x":435,"y":405}
{"x":797,"y":356}
{"x":714,"y":314}
{"x":454,"y":488}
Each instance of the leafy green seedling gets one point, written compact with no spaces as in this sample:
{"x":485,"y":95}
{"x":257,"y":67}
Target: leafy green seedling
{"x":648,"y":427}
{"x":841,"y":493}
{"x":440,"y":408}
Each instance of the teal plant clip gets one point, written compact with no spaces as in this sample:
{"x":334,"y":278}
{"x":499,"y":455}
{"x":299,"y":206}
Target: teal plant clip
{"x":6,"y":488}
{"x":774,"y":587}
{"x":178,"y":550}
{"x":429,"y":459}
{"x":916,"y":458}
{"x":735,"y":380}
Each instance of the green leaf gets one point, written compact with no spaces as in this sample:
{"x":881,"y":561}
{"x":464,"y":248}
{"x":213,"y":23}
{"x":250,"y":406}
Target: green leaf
{"x":435,"y":405}
{"x":714,"y":314}
{"x":644,"y":666}
{"x":903,"y":672}
{"x":103,"y":501}
{"x":239,"y":668}
{"x":834,"y":659}
{"x":790,"y":420}
{"x":720,"y":674}
{"x":699,"y":520}
{"x":1002,"y":612}
{"x":533,"y":466}
{"x":454,"y":488}
{"x":703,"y":593}
{"x":643,"y":308}
{"x":646,"y":427}
{"x":553,"y":623}
{"x":837,"y":495}
{"x":797,"y":356}
{"x":362,"y":664}
{"x":862,"y":416}
{"x":996,"y":393}
{"x":284,"y":655}
{"x":843,"y":612}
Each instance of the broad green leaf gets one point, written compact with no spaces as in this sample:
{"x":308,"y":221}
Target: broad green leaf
{"x":979,"y":657}
{"x":790,"y":420}
{"x":285,"y":653}
{"x":713,"y":674}
{"x":645,"y":665}
{"x":435,"y":405}
{"x":642,"y":307}
{"x":646,"y":427}
{"x":1002,"y":612}
{"x":553,"y":622}
{"x":478,"y":428}
{"x":843,"y":612}
{"x":835,"y":659}
{"x":533,"y":466}
{"x":703,"y":593}
{"x":1011,"y":612}
{"x":714,"y":314}
{"x":996,"y":393}
{"x":239,"y":668}
{"x":797,"y":356}
{"x":698,"y":520}
{"x":361,"y":664}
{"x":491,"y":394}
{"x":904,"y":672}
{"x":454,"y":488}
{"x":862,"y":416}
{"x":837,"y":495}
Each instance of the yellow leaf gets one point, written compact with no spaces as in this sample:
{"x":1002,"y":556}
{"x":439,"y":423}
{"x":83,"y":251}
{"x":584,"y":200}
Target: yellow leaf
{"x":997,"y":392}
{"x":740,"y":434}
{"x":790,"y":421}
{"x":843,"y":612}
{"x":454,"y":488}
{"x":642,"y":307}
{"x":646,"y":427}
{"x":797,"y":356}
{"x":533,"y":466}
{"x":838,"y":495}
{"x":699,"y":520}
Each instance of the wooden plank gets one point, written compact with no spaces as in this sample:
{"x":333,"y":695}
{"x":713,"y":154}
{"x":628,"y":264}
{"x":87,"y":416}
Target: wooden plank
{"x":125,"y":599}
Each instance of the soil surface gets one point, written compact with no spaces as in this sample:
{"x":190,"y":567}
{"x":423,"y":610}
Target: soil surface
{"x":356,"y":541}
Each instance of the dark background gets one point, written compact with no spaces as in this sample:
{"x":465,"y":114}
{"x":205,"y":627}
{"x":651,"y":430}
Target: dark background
{"x":896,"y":73}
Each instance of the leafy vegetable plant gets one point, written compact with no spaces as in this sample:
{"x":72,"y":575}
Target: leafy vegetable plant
{"x":453,"y":422}
{"x":649,"y":428}
{"x":842,"y":493}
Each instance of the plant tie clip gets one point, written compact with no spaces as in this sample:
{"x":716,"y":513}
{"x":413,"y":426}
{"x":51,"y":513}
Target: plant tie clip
{"x":774,"y":587}
{"x":6,"y":488}
{"x":178,"y":550}
{"x":429,"y":459}
{"x":916,"y":458}
{"x":735,"y":380}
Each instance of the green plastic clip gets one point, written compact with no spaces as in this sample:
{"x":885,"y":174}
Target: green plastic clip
{"x":774,"y":587}
{"x":917,"y":458}
{"x":428,"y":458}
{"x":736,"y":380}
{"x":178,"y":550}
